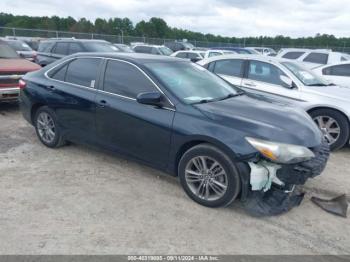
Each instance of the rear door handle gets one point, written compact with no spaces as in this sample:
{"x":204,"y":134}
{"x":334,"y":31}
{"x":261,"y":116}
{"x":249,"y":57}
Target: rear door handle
{"x":52,"y":88}
{"x":102,"y":103}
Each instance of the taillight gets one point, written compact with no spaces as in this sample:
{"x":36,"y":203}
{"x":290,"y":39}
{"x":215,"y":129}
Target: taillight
{"x":22,"y":84}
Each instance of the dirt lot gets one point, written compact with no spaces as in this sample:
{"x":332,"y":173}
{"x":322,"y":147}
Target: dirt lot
{"x":76,"y":200}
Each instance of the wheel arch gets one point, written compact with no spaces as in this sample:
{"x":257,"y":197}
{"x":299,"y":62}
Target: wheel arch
{"x":194,"y":141}
{"x":34,"y":109}
{"x":309,"y":111}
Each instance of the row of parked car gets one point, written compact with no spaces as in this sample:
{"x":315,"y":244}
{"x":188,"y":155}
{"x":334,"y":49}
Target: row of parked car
{"x":304,"y":77}
{"x":234,"y":124}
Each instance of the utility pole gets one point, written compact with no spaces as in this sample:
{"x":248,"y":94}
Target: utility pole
{"x":122,"y":32}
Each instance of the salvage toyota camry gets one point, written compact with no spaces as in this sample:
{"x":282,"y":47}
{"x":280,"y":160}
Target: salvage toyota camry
{"x":176,"y":116}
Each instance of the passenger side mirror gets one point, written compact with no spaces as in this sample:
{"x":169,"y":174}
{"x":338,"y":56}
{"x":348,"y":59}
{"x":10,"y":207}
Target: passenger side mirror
{"x":287,"y":81}
{"x":150,"y":98}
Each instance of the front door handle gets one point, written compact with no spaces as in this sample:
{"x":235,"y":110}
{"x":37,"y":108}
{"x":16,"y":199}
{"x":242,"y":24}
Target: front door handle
{"x":250,"y":84}
{"x":51,"y":88}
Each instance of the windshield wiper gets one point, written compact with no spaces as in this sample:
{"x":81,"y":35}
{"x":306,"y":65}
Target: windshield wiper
{"x":318,"y":84}
{"x":232,"y":95}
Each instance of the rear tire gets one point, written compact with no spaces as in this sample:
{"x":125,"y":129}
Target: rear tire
{"x":47,"y":128}
{"x":208,"y":176}
{"x":334,"y":126}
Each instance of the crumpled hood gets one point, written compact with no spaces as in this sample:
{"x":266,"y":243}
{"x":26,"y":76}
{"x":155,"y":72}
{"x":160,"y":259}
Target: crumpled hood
{"x":264,"y":118}
{"x":336,"y":92}
{"x":17,"y":65}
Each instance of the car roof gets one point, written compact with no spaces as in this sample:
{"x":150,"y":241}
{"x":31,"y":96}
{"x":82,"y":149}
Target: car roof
{"x":136,"y":58}
{"x":267,"y":59}
{"x":73,"y":40}
{"x":157,"y":46}
{"x":191,"y":51}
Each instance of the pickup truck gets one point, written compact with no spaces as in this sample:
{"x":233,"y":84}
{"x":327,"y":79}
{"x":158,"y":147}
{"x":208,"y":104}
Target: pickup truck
{"x":12,"y":68}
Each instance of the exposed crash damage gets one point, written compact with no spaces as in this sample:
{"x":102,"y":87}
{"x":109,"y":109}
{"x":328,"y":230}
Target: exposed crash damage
{"x":274,"y":187}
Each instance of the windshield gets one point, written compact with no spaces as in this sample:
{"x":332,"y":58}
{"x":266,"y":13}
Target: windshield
{"x":100,"y":47}
{"x":307,"y":77}
{"x":19,"y":46}
{"x":7,"y":52}
{"x":192,"y":83}
{"x":165,"y":51}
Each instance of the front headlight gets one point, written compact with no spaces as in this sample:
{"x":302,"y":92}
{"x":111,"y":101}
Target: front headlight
{"x":281,"y":153}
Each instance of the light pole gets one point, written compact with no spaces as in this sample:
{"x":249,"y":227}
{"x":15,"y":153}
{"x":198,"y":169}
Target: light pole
{"x":122,"y":32}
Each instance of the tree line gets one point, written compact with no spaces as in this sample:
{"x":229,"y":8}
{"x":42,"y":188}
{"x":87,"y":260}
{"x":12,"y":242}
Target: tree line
{"x":158,"y":28}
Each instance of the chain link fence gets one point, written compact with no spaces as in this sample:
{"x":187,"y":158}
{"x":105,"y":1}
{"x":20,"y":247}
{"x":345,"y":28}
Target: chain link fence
{"x":42,"y":34}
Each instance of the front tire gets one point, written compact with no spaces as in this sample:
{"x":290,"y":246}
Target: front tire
{"x":47,"y":128}
{"x":334,"y":126}
{"x":208,"y":176}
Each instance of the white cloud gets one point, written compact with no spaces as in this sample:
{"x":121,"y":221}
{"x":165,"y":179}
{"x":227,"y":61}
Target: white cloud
{"x":226,"y":17}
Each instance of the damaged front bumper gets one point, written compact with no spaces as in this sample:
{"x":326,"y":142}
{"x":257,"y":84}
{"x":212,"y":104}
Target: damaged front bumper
{"x":272,"y":186}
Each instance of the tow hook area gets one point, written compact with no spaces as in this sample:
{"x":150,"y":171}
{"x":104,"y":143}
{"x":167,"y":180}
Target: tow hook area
{"x":269,"y":195}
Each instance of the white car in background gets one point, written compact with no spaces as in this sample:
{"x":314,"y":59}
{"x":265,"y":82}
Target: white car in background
{"x":338,"y":74}
{"x":263,"y":50}
{"x":193,"y":55}
{"x":313,"y":57}
{"x":152,"y":49}
{"x":214,"y":52}
{"x":291,"y":83}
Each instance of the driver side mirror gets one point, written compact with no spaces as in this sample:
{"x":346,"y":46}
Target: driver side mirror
{"x":287,"y":81}
{"x":150,"y":98}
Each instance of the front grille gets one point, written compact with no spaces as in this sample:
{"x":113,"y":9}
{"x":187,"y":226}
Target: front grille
{"x":10,"y":78}
{"x":12,"y":73}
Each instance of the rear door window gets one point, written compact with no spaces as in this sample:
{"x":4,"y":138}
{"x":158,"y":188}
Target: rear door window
{"x":83,"y":71}
{"x":193,"y":55}
{"x":338,"y":70}
{"x":293,"y":55}
{"x":61,"y":48}
{"x":231,"y":67}
{"x":126,"y":80}
{"x":74,"y":48}
{"x":182,"y":55}
{"x":143,"y":49}
{"x":317,"y":58}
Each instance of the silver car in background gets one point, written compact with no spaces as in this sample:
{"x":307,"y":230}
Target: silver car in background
{"x":292,"y":83}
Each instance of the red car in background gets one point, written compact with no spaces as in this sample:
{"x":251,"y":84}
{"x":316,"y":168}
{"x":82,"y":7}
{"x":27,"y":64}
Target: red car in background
{"x":12,"y":68}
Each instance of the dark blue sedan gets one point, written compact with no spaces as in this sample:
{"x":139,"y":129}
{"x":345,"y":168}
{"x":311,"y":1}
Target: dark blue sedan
{"x":176,"y":116}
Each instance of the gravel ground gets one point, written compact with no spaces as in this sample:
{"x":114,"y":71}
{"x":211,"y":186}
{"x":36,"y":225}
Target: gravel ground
{"x":77,"y":200}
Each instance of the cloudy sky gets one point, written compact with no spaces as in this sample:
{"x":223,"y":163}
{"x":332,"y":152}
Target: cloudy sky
{"x":225,"y":17}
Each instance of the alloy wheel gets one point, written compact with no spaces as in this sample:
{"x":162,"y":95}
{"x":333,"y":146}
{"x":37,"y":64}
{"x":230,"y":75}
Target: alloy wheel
{"x":46,"y":127}
{"x":206,"y":178}
{"x":329,"y":127}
